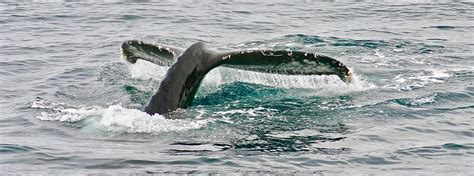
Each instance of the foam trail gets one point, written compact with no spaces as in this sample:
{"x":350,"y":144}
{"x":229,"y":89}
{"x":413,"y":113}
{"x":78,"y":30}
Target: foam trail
{"x":114,"y":118}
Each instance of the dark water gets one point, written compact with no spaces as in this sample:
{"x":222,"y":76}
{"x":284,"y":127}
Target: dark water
{"x":69,"y":105}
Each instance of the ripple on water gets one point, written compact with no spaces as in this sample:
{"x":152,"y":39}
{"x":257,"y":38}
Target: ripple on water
{"x":14,"y":148}
{"x":443,"y":27}
{"x":449,"y":149}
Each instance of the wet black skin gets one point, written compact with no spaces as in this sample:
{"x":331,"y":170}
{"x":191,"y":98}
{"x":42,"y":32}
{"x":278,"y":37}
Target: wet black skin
{"x":182,"y":80}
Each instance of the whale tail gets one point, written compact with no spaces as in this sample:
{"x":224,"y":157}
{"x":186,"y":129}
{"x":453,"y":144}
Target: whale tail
{"x":267,"y":61}
{"x":186,"y":71}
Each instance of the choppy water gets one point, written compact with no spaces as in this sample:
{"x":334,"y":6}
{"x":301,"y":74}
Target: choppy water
{"x":69,"y":105}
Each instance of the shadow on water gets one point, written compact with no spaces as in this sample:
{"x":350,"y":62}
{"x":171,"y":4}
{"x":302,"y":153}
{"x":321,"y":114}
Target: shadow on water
{"x":266,"y":142}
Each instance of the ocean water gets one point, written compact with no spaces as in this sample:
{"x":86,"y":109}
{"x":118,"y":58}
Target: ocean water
{"x":69,"y":105}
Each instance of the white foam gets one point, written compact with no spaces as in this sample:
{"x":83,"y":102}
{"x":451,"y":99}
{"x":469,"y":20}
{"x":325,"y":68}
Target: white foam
{"x":60,"y":112}
{"x":424,"y":99}
{"x":115,"y":118}
{"x":258,"y":111}
{"x":418,"y":80}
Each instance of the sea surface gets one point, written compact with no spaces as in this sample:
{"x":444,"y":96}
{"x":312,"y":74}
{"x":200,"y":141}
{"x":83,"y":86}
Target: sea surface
{"x":70,"y":105}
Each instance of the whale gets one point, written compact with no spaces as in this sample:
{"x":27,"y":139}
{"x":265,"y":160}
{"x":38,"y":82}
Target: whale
{"x":187,"y":68}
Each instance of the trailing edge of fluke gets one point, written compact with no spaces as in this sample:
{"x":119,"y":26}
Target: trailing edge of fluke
{"x":188,"y":68}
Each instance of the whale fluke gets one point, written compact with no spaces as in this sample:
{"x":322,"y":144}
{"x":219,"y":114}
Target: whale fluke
{"x":285,"y":62}
{"x":162,"y":55}
{"x":186,"y":72}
